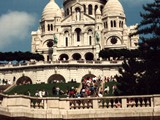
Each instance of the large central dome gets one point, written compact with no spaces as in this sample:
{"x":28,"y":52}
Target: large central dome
{"x":113,"y":8}
{"x":51,"y":10}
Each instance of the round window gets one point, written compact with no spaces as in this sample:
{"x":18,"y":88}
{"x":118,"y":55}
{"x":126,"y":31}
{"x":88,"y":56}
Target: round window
{"x":50,"y":43}
{"x":114,"y":40}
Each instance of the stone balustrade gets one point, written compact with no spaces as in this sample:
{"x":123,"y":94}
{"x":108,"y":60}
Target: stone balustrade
{"x":83,"y":62}
{"x":86,"y":103}
{"x":121,"y":106}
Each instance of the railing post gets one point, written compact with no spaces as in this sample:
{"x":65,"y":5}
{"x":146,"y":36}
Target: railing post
{"x":45,"y":104}
{"x":64,"y":104}
{"x":95,"y":104}
{"x":124,"y":103}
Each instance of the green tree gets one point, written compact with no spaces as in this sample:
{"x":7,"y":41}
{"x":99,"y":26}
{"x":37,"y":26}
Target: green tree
{"x":142,"y":75}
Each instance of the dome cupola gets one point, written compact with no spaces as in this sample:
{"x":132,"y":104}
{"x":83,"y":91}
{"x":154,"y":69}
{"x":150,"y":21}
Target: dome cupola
{"x":51,"y":10}
{"x":113,"y":8}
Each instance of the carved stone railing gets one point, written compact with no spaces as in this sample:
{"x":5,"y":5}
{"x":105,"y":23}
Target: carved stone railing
{"x":81,"y":104}
{"x":41,"y":63}
{"x":54,"y":107}
{"x":110,"y":103}
{"x":37,"y":103}
{"x":139,"y":102}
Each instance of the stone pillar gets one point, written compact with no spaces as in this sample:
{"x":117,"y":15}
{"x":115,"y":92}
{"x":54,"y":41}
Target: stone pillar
{"x":87,"y":9}
{"x":65,"y":104}
{"x":16,"y":102}
{"x":55,"y":54}
{"x":97,"y":50}
{"x":95,"y":104}
{"x":124,"y":103}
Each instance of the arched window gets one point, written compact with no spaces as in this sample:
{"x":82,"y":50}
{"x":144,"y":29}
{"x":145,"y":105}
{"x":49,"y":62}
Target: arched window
{"x":48,"y":27}
{"x":106,"y":25}
{"x":90,"y":12}
{"x":90,"y":36}
{"x":84,"y":7}
{"x":114,"y":23}
{"x":101,"y":9}
{"x":51,"y":27}
{"x":76,"y":56}
{"x":90,"y":40}
{"x":66,"y":41}
{"x":67,"y":11}
{"x":66,"y":33}
{"x":96,"y":7}
{"x":122,"y":24}
{"x":78,"y":34}
{"x":111,"y":23}
{"x":78,"y":14}
{"x":119,"y":23}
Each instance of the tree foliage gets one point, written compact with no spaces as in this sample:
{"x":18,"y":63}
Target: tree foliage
{"x":142,"y":75}
{"x":20,"y":56}
{"x":119,"y":54}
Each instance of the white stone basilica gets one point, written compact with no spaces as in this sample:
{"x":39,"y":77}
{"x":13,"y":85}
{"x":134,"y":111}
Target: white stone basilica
{"x":70,"y":40}
{"x":81,"y":29}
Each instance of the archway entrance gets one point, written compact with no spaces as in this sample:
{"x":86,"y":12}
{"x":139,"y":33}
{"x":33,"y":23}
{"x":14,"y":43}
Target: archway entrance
{"x":63,"y":57}
{"x":24,"y":80}
{"x":76,"y":56}
{"x":89,"y":56}
{"x":56,"y":78}
{"x":88,"y":76}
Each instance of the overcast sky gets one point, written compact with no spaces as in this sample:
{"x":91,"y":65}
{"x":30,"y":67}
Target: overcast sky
{"x":19,"y":17}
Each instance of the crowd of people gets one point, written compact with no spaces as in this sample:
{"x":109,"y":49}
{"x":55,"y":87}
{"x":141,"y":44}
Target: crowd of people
{"x":91,"y":87}
{"x":5,"y":82}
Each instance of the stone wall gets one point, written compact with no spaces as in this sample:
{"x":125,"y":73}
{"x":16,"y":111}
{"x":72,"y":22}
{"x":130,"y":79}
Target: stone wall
{"x":40,"y":71}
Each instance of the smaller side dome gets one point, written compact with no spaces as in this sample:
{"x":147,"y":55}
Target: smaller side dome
{"x":113,"y":8}
{"x":51,"y":10}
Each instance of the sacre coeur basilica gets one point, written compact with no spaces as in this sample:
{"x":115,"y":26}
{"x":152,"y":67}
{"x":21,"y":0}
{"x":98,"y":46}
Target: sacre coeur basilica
{"x":70,"y":39}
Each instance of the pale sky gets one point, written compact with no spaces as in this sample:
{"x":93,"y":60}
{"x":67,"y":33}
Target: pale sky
{"x":18,"y":18}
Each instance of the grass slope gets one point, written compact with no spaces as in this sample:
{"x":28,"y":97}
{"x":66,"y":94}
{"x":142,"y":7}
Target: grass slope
{"x":23,"y":89}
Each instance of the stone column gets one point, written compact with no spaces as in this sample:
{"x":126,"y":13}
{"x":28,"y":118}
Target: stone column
{"x":124,"y":103}
{"x":95,"y":104}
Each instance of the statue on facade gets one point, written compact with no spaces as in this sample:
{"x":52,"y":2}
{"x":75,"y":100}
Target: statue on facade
{"x":78,"y":15}
{"x":55,"y":39}
{"x":97,"y":37}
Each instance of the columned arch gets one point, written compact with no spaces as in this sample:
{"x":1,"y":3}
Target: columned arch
{"x":76,"y":56}
{"x":24,"y":80}
{"x":56,"y":78}
{"x":89,"y":56}
{"x":63,"y":57}
{"x":88,"y":76}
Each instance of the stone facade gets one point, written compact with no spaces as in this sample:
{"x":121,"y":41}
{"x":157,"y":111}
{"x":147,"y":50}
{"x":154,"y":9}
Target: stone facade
{"x":81,"y":29}
{"x":70,"y":40}
{"x":42,"y":72}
